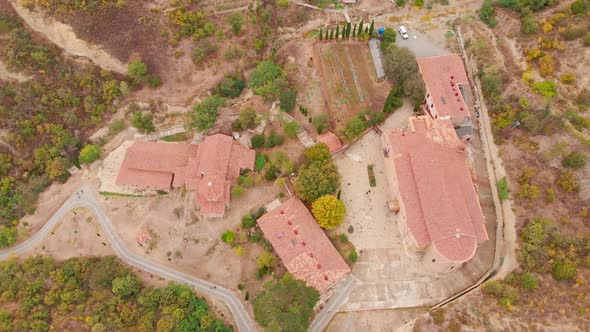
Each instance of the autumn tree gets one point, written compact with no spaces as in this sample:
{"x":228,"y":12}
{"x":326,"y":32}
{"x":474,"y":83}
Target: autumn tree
{"x":57,"y":168}
{"x":329,"y":211}
{"x":248,"y":119}
{"x":126,"y":285}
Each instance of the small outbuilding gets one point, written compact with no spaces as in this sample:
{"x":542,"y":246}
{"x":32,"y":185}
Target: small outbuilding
{"x":377,"y":56}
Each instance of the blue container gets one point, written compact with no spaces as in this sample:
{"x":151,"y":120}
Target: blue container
{"x":381,"y":31}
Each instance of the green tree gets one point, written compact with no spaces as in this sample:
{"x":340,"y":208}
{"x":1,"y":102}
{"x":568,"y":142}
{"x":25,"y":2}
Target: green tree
{"x":414,"y":87}
{"x":127,"y":285}
{"x":89,"y":153}
{"x":316,"y":180}
{"x":337,"y":31}
{"x":529,"y":281}
{"x":235,"y":20}
{"x":372,"y":28}
{"x":321,"y":34}
{"x":388,"y":37}
{"x":143,"y":122}
{"x":231,"y":86}
{"x":288,"y":99}
{"x":286,"y":305}
{"x":205,"y":113}
{"x":393,"y":100}
{"x":267,"y":80}
{"x":353,"y":129}
{"x":57,"y":168}
{"x":291,"y":129}
{"x":318,"y":153}
{"x":329,"y":211}
{"x":137,"y":71}
{"x":258,"y":141}
{"x":7,"y":236}
{"x":399,"y":64}
{"x":579,"y":7}
{"x":228,"y":237}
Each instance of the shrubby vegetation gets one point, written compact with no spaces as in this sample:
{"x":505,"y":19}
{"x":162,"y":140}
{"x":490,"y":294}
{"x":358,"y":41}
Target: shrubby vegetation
{"x":98,"y":294}
{"x":231,"y":86}
{"x":286,"y":305}
{"x":48,"y":117}
{"x":267,"y":80}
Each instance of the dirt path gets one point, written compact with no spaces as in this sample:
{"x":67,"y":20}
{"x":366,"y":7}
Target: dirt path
{"x":7,"y":75}
{"x":63,"y":36}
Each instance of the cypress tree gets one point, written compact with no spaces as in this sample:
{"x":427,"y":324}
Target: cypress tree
{"x":354,"y":31}
{"x":337,"y":31}
{"x":371,"y":28}
{"x":332,"y":34}
{"x":348,"y":26}
{"x":367,"y":30}
{"x":321,"y":34}
{"x":360,"y":28}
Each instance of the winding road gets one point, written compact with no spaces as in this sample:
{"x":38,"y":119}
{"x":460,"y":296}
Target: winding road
{"x":84,"y":198}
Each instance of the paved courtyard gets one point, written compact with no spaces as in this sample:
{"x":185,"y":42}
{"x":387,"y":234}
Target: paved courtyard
{"x":388,"y":278}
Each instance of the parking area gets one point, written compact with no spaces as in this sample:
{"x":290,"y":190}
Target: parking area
{"x":421,"y":44}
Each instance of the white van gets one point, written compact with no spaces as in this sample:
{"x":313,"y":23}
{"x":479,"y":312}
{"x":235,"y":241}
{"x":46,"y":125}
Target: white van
{"x":403,"y":32}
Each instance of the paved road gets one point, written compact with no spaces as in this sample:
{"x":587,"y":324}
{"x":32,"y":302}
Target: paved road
{"x":324,"y":317}
{"x":84,"y":198}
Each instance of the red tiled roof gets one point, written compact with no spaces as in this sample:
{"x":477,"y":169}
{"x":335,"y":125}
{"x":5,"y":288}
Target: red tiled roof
{"x":302,"y":245}
{"x":331,"y":140}
{"x":208,"y":168}
{"x":442,"y":74}
{"x":434,"y":181}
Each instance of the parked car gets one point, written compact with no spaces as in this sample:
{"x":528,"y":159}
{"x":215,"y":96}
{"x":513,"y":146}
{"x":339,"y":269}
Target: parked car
{"x":403,"y":32}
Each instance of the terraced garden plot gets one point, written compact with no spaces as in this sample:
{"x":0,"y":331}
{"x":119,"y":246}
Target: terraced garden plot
{"x":348,"y":80}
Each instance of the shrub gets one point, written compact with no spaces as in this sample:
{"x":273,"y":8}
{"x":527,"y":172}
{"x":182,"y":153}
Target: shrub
{"x":329,"y":211}
{"x":567,"y":182}
{"x":260,"y":162}
{"x":524,"y":102}
{"x":7,"y":236}
{"x":248,"y":119}
{"x":248,"y":221}
{"x":154,"y":81}
{"x":586,"y":40}
{"x":393,"y":101}
{"x":563,"y":270}
{"x":116,"y":127}
{"x":265,"y":260}
{"x":575,"y":160}
{"x":353,"y":256}
{"x":578,"y":7}
{"x":291,"y":129}
{"x":503,"y":190}
{"x":228,"y":237}
{"x":89,"y":154}
{"x":343,"y":238}
{"x":572,"y":33}
{"x":545,"y":88}
{"x":271,"y":173}
{"x":512,"y":4}
{"x":274,"y":139}
{"x":321,"y":123}
{"x":231,"y":86}
{"x":235,"y":20}
{"x":546,"y":65}
{"x":288,"y":99}
{"x":438,"y":316}
{"x":529,"y":281}
{"x":143,"y":122}
{"x":528,"y":25}
{"x":487,"y":14}
{"x":400,"y":3}
{"x":137,"y":71}
{"x":237,"y":191}
{"x":419,"y":3}
{"x":536,"y":237}
{"x":203,"y":49}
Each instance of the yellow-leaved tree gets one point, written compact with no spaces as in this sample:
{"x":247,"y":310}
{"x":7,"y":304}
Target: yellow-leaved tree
{"x":329,"y":211}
